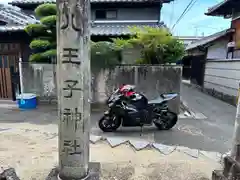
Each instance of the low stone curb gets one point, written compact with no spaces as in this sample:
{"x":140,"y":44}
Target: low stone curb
{"x":137,"y":144}
{"x":163,"y":149}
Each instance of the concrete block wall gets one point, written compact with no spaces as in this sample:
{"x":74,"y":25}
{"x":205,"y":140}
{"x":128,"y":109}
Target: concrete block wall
{"x":149,"y":80}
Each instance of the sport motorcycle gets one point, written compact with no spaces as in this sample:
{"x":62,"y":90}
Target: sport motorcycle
{"x":128,"y":108}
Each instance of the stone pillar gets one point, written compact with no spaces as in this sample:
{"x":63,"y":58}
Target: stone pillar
{"x":73,"y":79}
{"x":236,"y":133}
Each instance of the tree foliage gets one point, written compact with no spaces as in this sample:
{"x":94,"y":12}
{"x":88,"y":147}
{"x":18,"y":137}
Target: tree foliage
{"x":157,"y":45}
{"x":104,"y":55}
{"x":43,"y":44}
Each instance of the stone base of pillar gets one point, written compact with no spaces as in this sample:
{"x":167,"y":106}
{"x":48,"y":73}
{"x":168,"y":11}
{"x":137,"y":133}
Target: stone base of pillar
{"x":218,"y":175}
{"x":94,"y":173}
{"x":231,"y":170}
{"x":9,"y":173}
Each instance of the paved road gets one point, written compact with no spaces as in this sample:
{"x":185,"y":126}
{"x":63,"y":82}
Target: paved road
{"x":213,"y":133}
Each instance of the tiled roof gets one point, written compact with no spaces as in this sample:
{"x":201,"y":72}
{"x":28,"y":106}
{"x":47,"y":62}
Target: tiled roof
{"x":11,"y":28}
{"x":215,"y":8}
{"x":93,"y":1}
{"x":98,"y":28}
{"x":13,"y":15}
{"x":109,"y":29}
{"x":208,"y":39}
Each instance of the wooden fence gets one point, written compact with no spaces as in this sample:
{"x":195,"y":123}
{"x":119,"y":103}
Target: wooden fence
{"x":6,"y":89}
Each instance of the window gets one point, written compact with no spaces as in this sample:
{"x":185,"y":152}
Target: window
{"x":111,"y":14}
{"x":105,"y":14}
{"x":2,"y":23}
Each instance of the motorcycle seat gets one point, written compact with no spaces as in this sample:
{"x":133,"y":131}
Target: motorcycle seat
{"x":163,"y":98}
{"x":156,"y":101}
{"x":169,"y":96}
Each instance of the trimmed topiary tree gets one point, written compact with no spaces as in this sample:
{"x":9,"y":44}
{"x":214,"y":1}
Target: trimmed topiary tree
{"x":43,"y":45}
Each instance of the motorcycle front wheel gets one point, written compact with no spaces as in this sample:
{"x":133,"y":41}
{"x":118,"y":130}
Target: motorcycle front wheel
{"x":109,"y":123}
{"x":167,"y":121}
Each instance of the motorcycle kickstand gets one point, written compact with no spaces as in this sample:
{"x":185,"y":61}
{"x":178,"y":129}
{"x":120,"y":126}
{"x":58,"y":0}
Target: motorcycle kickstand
{"x":141,"y":130}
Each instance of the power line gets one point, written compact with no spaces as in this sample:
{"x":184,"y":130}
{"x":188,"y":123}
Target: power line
{"x":183,"y":13}
{"x":191,"y":7}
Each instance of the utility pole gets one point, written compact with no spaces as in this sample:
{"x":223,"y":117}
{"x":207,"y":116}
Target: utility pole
{"x":73,"y":79}
{"x":231,"y":166}
{"x":196,"y":31}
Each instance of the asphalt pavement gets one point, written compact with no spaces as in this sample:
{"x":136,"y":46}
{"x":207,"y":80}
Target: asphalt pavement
{"x":212,"y":132}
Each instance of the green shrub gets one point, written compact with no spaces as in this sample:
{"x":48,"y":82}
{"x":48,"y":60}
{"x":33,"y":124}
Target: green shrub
{"x":46,"y":9}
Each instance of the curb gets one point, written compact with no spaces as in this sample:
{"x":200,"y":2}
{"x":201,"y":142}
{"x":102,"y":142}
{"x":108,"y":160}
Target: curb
{"x":189,"y":112}
{"x":139,"y":145}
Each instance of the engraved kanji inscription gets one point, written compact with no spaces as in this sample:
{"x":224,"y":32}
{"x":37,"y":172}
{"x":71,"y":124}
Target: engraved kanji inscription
{"x":76,"y":14}
{"x":76,"y":18}
{"x":70,"y":86}
{"x":72,"y":115}
{"x":71,"y":55}
{"x":66,"y":115}
{"x":65,"y":12}
{"x":72,"y":147}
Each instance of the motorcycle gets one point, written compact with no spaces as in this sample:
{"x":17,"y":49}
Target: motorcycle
{"x":123,"y":111}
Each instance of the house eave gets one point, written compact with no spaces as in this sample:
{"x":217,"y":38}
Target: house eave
{"x":104,"y":28}
{"x":206,"y":41}
{"x":33,"y":2}
{"x":223,"y":9}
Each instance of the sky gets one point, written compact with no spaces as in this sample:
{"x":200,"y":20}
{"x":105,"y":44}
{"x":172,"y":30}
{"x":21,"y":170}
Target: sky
{"x":194,"y":23}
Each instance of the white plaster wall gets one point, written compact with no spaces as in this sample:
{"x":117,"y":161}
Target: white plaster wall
{"x":218,"y":50}
{"x":223,"y":76}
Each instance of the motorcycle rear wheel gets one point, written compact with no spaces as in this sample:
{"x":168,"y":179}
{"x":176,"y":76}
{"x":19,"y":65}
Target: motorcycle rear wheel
{"x":105,"y":125}
{"x":167,"y":121}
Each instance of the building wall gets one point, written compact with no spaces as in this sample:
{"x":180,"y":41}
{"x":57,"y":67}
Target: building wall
{"x":149,"y":13}
{"x":20,"y":38}
{"x":218,"y":50}
{"x":150,"y":80}
{"x":223,"y":77}
{"x":125,"y":11}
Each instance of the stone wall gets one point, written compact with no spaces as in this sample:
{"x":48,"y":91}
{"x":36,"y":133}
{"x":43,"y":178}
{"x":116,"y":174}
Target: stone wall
{"x":150,"y":80}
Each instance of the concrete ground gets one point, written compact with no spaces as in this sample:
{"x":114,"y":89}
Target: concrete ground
{"x":218,"y":125}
